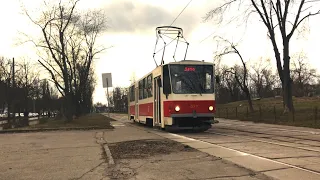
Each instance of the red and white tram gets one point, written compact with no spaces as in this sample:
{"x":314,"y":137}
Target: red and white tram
{"x":174,"y":96}
{"x":177,"y":95}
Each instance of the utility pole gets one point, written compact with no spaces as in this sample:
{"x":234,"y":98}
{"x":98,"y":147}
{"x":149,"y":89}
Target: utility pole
{"x":13,"y":88}
{"x":108,"y":99}
{"x":13,"y":81}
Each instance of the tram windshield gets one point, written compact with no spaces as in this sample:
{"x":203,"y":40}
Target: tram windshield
{"x":191,"y":79}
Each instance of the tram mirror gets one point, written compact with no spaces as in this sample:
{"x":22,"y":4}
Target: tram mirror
{"x":218,"y":79}
{"x":159,"y":82}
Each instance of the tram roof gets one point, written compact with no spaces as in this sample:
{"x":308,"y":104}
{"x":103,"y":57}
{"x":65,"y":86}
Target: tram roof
{"x":191,"y":62}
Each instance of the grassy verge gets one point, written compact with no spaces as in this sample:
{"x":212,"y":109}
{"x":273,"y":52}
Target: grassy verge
{"x":270,"y":110}
{"x":87,"y":121}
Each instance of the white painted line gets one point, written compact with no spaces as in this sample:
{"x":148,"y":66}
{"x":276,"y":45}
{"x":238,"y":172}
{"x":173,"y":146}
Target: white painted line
{"x":214,"y":145}
{"x":118,"y":124}
{"x":259,"y":157}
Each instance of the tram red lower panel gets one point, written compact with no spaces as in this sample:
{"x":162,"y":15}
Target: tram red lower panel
{"x":187,"y":107}
{"x":132,"y":110}
{"x":146,"y":109}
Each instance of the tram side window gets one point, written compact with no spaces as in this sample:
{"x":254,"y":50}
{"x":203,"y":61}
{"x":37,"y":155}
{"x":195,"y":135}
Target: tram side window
{"x":208,"y":81}
{"x":132,"y":94}
{"x":133,"y":90}
{"x":130,"y":98}
{"x":140,"y":89}
{"x":178,"y":87}
{"x":145,"y":88}
{"x":149,"y":82}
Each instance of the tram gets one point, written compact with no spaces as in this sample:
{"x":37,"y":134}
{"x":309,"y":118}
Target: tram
{"x":175,"y":96}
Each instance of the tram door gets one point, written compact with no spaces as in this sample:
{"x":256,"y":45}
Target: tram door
{"x":136,"y":105}
{"x":157,"y":101}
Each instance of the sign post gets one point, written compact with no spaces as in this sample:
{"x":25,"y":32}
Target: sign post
{"x":106,"y":83}
{"x":108,"y":98}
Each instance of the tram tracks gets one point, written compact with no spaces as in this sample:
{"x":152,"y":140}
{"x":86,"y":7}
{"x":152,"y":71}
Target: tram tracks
{"x":269,"y":142}
{"x":271,"y":139}
{"x":313,"y":132}
{"x":275,"y":160}
{"x":265,"y":157}
{"x":275,"y":141}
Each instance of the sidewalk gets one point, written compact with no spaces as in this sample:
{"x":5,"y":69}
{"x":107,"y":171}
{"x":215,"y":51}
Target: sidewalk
{"x":139,"y":154}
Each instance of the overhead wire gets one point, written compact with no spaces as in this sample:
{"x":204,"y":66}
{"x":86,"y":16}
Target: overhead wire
{"x":179,"y":15}
{"x":173,"y":22}
{"x":207,"y":37}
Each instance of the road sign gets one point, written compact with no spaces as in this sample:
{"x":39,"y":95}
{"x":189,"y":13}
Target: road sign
{"x":106,"y":80}
{"x":106,"y":83}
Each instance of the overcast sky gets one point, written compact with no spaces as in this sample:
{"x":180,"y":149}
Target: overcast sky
{"x":132,"y":35}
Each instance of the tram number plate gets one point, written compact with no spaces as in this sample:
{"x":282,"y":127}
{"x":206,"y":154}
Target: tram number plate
{"x":194,"y":105}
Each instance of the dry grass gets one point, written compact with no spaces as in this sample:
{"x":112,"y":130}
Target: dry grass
{"x":87,"y":121}
{"x":270,"y":110}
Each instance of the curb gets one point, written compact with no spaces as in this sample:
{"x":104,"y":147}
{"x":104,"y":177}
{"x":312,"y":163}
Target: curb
{"x":108,"y":153}
{"x":52,"y":129}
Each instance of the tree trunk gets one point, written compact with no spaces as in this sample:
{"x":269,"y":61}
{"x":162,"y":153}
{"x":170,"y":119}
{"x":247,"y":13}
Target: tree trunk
{"x":287,"y":82}
{"x":68,"y":107}
{"x":9,"y":110}
{"x":246,"y":91}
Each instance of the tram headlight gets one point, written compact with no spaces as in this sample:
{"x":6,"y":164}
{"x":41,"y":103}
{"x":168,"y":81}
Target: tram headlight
{"x":177,"y":108}
{"x":210,"y":108}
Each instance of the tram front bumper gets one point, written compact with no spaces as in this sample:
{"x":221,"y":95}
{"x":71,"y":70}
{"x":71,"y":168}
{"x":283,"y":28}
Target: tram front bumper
{"x":193,"y":115}
{"x":192,"y":120}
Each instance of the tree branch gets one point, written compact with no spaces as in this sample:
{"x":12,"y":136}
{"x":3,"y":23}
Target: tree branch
{"x":297,"y":22}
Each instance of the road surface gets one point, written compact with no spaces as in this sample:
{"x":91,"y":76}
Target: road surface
{"x":52,"y":155}
{"x":291,"y":152}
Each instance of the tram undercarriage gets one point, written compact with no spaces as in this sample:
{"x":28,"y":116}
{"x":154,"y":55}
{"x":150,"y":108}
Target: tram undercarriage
{"x":199,"y":124}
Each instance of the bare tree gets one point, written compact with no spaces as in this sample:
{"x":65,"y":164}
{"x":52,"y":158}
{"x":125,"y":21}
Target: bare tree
{"x":286,"y":16}
{"x":263,"y":79}
{"x":303,"y":76}
{"x":119,"y":98}
{"x":241,"y":74}
{"x":7,"y":84}
{"x":69,"y":42}
{"x":27,"y":76}
{"x":228,"y":89}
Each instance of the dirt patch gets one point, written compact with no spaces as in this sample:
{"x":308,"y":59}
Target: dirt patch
{"x":145,"y":148}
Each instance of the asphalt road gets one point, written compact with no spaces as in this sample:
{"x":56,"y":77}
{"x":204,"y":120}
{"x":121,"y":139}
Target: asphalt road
{"x":291,"y":152}
{"x":51,"y":155}
{"x":282,"y":152}
{"x":295,"y":146}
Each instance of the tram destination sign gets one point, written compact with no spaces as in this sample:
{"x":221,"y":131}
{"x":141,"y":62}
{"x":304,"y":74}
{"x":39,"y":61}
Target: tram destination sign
{"x":189,"y":69}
